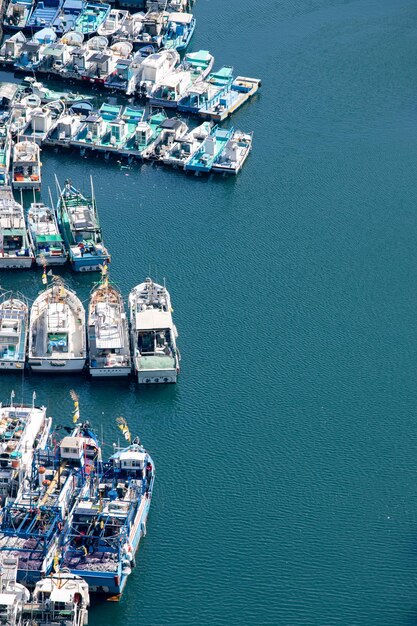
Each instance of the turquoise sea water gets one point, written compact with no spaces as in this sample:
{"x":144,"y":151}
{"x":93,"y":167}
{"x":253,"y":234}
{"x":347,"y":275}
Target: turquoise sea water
{"x":286,"y":456}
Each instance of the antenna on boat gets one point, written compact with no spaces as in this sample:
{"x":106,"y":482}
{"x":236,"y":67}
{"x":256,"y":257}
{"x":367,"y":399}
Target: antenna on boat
{"x":33,"y":399}
{"x":58,"y":186}
{"x":50,"y":199}
{"x":12,"y":395}
{"x":21,"y":197}
{"x":93,"y":199}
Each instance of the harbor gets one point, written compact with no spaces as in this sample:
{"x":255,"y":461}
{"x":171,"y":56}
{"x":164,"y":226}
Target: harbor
{"x":313,"y":376}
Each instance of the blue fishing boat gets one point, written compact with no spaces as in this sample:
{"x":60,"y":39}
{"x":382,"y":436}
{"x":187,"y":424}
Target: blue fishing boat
{"x":81,"y":229}
{"x":35,"y":521}
{"x":180,"y":29}
{"x":67,"y":15}
{"x":212,"y":147}
{"x":91,"y":17}
{"x":44,"y":14}
{"x":107,"y":523}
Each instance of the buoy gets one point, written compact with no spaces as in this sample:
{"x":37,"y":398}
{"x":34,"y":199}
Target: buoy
{"x":42,"y":470}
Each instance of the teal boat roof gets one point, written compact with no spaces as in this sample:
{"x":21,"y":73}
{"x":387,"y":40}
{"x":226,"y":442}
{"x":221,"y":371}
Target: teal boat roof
{"x":110,"y":111}
{"x":223,"y":75}
{"x":157,"y":118}
{"x":131,"y":114}
{"x":48,"y":238}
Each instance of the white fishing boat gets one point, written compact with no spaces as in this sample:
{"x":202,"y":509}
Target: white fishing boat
{"x":15,"y":249}
{"x":14,"y":322}
{"x":23,"y":429}
{"x":5,"y":151}
{"x":26,"y":171}
{"x":44,"y":235}
{"x":154,"y":69}
{"x":57,"y":340}
{"x":156,"y":358}
{"x":108,"y":332}
{"x":13,"y":595}
{"x":62,"y":598}
{"x":113,"y":23}
{"x":235,"y":153}
{"x":186,"y":146}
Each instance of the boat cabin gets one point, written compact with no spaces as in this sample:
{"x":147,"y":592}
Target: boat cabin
{"x":55,"y":56}
{"x":93,"y":129}
{"x":99,"y":65}
{"x":57,"y":328}
{"x":12,"y":47}
{"x":143,"y":135}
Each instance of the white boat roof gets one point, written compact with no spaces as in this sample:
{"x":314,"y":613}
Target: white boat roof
{"x":72,"y":442}
{"x":7,"y":599}
{"x":153,"y":319}
{"x":132,"y":455}
{"x":180,"y":18}
{"x":172,"y":80}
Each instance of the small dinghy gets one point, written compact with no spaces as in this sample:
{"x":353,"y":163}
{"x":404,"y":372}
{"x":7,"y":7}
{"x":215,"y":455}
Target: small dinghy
{"x":57,"y":341}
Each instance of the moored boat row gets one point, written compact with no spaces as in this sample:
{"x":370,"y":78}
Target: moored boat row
{"x":51,"y":237}
{"x":56,"y":335}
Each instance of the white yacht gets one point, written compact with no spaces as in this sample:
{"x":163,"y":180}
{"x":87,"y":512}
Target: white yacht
{"x":62,"y":598}
{"x":14,"y":322}
{"x":15,"y":249}
{"x":57,"y":340}
{"x":155,"y":355}
{"x":26,"y":173}
{"x":108,"y":332}
{"x":23,"y":429}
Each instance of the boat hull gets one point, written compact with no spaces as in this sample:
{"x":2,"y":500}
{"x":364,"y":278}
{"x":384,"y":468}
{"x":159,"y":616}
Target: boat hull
{"x":51,"y":260}
{"x":15,"y":262}
{"x":158,"y":377}
{"x":55,"y":366}
{"x":109,"y":372}
{"x":91,"y":264}
{"x":12,"y":365}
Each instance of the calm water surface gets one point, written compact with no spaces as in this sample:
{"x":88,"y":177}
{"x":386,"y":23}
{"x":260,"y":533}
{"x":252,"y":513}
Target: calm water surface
{"x":286,"y":455}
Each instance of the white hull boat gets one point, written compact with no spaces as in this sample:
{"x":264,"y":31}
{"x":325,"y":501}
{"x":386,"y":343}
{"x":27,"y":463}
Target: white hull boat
{"x":153,"y":333}
{"x":57,"y":341}
{"x":26,"y":165}
{"x":235,"y":153}
{"x":44,"y":235}
{"x":14,"y":322}
{"x":15,"y":249}
{"x":108,"y":332}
